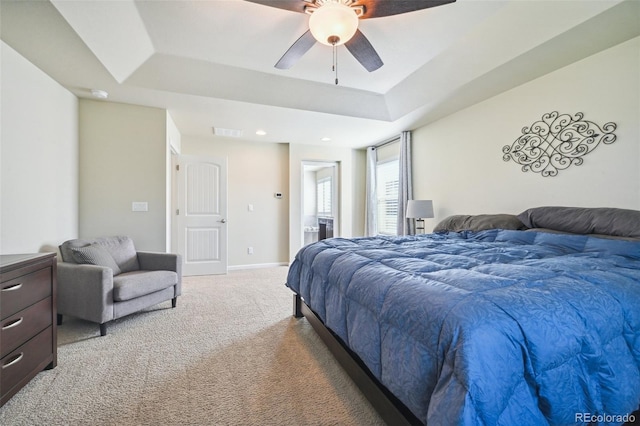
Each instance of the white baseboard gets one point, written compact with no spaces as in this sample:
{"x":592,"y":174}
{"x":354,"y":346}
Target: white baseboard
{"x":256,"y":266}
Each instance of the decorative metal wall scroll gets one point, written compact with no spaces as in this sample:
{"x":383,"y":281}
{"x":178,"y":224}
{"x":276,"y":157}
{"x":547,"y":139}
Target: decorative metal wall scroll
{"x":556,"y":142}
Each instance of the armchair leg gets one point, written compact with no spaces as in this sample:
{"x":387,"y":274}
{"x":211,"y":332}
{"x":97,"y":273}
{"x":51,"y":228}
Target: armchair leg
{"x":103,"y":329}
{"x":174,"y":302}
{"x":59,"y":319}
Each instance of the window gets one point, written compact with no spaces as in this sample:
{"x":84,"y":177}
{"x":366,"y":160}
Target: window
{"x":387,"y":176}
{"x":324,"y":192}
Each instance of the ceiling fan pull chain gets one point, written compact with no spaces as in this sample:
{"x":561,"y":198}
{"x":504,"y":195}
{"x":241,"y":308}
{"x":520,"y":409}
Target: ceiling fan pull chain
{"x":335,"y":61}
{"x":334,"y":40}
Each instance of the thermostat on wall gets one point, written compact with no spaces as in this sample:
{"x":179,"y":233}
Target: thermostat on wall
{"x":278,"y":195}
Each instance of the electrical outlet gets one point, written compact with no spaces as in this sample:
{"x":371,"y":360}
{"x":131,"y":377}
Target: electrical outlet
{"x":249,"y":250}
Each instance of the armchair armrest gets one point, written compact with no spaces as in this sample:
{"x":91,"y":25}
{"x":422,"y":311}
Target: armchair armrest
{"x":157,"y":261}
{"x":85,"y":291}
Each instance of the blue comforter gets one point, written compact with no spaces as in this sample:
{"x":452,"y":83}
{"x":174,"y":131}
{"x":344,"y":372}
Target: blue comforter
{"x":491,"y":328}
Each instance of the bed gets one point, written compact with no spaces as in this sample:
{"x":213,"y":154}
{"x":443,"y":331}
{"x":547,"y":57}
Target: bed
{"x":494,"y":319}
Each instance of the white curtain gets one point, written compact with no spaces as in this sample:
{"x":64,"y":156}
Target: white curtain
{"x":371,"y":202}
{"x":405,"y":187}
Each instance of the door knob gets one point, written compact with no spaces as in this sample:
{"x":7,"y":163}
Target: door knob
{"x":223,"y":220}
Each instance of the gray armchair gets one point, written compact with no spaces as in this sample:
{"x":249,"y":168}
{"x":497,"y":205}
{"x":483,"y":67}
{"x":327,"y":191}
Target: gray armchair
{"x":106,"y":278}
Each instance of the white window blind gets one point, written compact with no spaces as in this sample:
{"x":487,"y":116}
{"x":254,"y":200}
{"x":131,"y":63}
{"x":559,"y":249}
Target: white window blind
{"x":324,"y":197}
{"x":387,"y":191}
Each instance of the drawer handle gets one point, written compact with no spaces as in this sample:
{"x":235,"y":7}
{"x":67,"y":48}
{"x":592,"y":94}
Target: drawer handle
{"x":15,"y":360}
{"x":14,"y":323}
{"x":13,"y":287}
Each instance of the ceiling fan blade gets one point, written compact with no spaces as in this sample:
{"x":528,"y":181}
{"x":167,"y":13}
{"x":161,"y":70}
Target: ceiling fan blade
{"x":293,"y":5}
{"x":295,"y":52}
{"x":380,"y":8}
{"x":363,"y":51}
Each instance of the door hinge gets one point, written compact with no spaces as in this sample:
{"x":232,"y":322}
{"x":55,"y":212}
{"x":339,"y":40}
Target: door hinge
{"x":178,"y":167}
{"x":177,"y":212}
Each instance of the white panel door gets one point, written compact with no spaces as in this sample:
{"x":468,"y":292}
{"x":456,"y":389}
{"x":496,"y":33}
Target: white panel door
{"x":202,"y":214}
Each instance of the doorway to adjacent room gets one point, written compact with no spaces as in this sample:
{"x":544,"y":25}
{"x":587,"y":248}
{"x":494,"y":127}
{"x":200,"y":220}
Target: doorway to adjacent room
{"x":319,"y":201}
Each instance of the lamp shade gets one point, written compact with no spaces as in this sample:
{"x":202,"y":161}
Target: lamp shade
{"x":419,"y":209}
{"x":333,"y":23}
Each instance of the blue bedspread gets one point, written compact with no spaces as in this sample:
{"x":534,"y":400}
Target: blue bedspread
{"x":490,"y":328}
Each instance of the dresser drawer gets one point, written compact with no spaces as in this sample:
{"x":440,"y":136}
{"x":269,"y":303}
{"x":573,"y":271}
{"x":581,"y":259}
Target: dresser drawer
{"x":26,"y":361}
{"x":20,"y":327}
{"x":23,"y":291}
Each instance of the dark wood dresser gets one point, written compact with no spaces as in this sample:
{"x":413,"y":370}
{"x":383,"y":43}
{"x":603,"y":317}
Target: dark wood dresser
{"x":28,"y":334}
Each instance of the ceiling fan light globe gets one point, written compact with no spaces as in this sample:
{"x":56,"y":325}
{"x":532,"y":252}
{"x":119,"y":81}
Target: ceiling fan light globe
{"x":333,"y":20}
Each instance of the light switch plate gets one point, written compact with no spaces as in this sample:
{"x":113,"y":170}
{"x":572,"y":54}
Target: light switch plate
{"x":139,"y":206}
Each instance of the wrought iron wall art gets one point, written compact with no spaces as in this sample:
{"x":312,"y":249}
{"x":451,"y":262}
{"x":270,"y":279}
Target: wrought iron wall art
{"x":556,"y":142}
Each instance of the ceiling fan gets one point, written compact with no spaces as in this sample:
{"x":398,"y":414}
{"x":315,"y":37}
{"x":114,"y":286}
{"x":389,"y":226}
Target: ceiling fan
{"x":335,"y":22}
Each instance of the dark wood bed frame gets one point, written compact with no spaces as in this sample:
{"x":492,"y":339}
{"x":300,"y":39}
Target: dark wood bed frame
{"x":390,"y":408}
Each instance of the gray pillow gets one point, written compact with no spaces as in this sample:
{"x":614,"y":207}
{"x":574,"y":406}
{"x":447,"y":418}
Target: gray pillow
{"x":95,"y":255}
{"x":122,"y":250}
{"x":584,"y":220}
{"x":479,"y":222}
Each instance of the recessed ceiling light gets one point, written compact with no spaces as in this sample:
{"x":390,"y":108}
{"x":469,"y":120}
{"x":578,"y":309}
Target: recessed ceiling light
{"x":100,"y":94}
{"x":260,"y":132}
{"x":325,"y":139}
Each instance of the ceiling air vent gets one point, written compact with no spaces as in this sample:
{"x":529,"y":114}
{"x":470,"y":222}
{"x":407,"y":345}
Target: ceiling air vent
{"x":230,"y":133}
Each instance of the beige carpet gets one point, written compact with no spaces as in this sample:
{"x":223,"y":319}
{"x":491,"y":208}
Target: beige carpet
{"x":229,"y":354}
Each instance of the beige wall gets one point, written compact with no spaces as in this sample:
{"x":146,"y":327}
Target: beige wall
{"x":457,"y":161}
{"x":124,"y":151}
{"x":123,"y":158}
{"x":256,"y":171}
{"x":39,"y":159}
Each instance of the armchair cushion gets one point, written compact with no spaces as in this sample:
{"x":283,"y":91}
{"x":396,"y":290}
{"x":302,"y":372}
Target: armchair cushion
{"x":134,"y":284}
{"x":95,"y":255}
